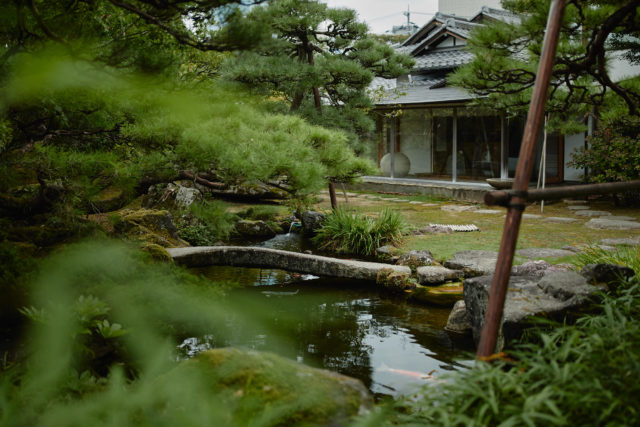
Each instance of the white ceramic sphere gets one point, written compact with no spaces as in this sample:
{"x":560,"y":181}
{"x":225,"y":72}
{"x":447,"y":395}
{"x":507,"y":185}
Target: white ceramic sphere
{"x":401,"y":163}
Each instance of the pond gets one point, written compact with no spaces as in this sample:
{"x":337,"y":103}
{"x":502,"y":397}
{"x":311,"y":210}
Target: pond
{"x":391,"y":345}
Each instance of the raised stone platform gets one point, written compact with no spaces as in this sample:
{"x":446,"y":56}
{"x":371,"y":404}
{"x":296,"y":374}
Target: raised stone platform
{"x":463,"y":191}
{"x":243,"y":256}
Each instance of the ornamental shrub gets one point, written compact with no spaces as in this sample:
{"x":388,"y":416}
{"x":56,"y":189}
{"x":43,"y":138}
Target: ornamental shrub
{"x":613,"y":155}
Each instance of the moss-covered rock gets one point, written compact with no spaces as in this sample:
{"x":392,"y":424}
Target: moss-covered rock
{"x":149,"y":226}
{"x":254,"y":229}
{"x":157,"y":252}
{"x":394,"y":281}
{"x":277,"y":391}
{"x":109,"y":199}
{"x":444,"y":295}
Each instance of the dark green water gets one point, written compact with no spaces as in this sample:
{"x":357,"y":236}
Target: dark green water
{"x":344,"y":326}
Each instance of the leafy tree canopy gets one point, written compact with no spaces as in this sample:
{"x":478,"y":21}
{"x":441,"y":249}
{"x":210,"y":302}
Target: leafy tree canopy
{"x":320,"y":61}
{"x":107,"y":92}
{"x":593,"y":32}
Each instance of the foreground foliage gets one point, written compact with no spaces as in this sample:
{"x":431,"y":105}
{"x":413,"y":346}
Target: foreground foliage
{"x":583,"y":374}
{"x":349,"y":232}
{"x":101,"y":349}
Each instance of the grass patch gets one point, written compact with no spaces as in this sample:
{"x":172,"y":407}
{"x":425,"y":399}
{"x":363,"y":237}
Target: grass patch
{"x":351,"y":232}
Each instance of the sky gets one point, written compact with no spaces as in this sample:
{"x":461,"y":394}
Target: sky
{"x":381,"y":15}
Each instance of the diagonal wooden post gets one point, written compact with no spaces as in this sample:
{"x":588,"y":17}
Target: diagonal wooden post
{"x":498,"y":292}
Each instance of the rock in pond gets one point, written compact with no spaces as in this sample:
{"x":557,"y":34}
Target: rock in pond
{"x":458,"y":321}
{"x":415,"y":259}
{"x":435,"y":274}
{"x":395,"y":281}
{"x":551,"y":296}
{"x":473,"y":263}
{"x":312,"y":222}
{"x":443,"y":295}
{"x":251,"y":385}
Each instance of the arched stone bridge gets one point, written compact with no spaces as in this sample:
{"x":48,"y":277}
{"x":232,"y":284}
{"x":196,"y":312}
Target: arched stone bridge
{"x":243,"y":256}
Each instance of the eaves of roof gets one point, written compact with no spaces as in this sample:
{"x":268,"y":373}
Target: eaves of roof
{"x":440,"y":60}
{"x":445,"y":29}
{"x":421,"y":94}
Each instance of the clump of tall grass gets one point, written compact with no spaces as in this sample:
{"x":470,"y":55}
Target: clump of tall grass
{"x":583,"y":374}
{"x":349,"y":232}
{"x":629,"y":256}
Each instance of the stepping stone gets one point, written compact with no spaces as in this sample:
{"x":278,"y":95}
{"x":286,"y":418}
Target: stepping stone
{"x":415,"y":203}
{"x":574,"y":202}
{"x":592,"y":213}
{"x":473,"y":263}
{"x":429,"y":205}
{"x":560,"y":220}
{"x":585,"y":247}
{"x":487,"y":212}
{"x":623,"y":241}
{"x":401,"y":201}
{"x":578,"y":207}
{"x":435,"y":274}
{"x":621,"y":218}
{"x":543,"y":253}
{"x":458,"y":208}
{"x":607,"y":224}
{"x":531,"y":216}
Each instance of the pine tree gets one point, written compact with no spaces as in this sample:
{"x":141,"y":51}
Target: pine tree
{"x":507,"y":54}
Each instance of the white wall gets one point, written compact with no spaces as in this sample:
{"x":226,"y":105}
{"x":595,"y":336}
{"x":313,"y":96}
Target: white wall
{"x":415,"y":140}
{"x":465,"y":8}
{"x":571,"y":142}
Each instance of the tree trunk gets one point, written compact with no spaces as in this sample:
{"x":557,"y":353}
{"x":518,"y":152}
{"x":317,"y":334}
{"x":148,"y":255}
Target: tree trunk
{"x":332,"y":195}
{"x":316,"y":92}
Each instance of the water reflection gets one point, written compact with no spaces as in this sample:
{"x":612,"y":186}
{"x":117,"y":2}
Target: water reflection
{"x":334,"y":324}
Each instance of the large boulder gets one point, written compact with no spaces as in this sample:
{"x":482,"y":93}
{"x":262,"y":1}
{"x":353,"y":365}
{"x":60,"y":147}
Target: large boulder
{"x":552,"y":295}
{"x":312,"y":222}
{"x":537,"y":268}
{"x":473,"y":263}
{"x":253,"y":385}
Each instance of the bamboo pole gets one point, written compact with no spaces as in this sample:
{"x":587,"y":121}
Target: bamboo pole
{"x":498,"y":292}
{"x":501,"y":198}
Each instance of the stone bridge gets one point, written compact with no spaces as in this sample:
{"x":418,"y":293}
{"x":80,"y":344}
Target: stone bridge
{"x":243,"y":256}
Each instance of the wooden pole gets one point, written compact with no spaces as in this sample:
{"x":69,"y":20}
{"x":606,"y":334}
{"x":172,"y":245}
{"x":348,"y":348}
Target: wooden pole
{"x":498,"y":292}
{"x":502,"y":198}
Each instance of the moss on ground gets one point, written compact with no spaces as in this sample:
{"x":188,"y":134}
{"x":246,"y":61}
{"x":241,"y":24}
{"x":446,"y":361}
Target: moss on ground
{"x":534,"y":233}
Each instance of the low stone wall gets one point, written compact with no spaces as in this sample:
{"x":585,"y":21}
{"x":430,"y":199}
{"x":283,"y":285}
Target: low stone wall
{"x":241,"y":256}
{"x":456,"y":191}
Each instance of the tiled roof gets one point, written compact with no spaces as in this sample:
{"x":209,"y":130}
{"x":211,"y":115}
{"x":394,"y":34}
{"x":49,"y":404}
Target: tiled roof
{"x":438,"y":60}
{"x":421,"y":94}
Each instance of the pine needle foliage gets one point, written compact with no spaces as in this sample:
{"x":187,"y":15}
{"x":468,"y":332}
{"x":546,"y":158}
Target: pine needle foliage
{"x":347,"y":232}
